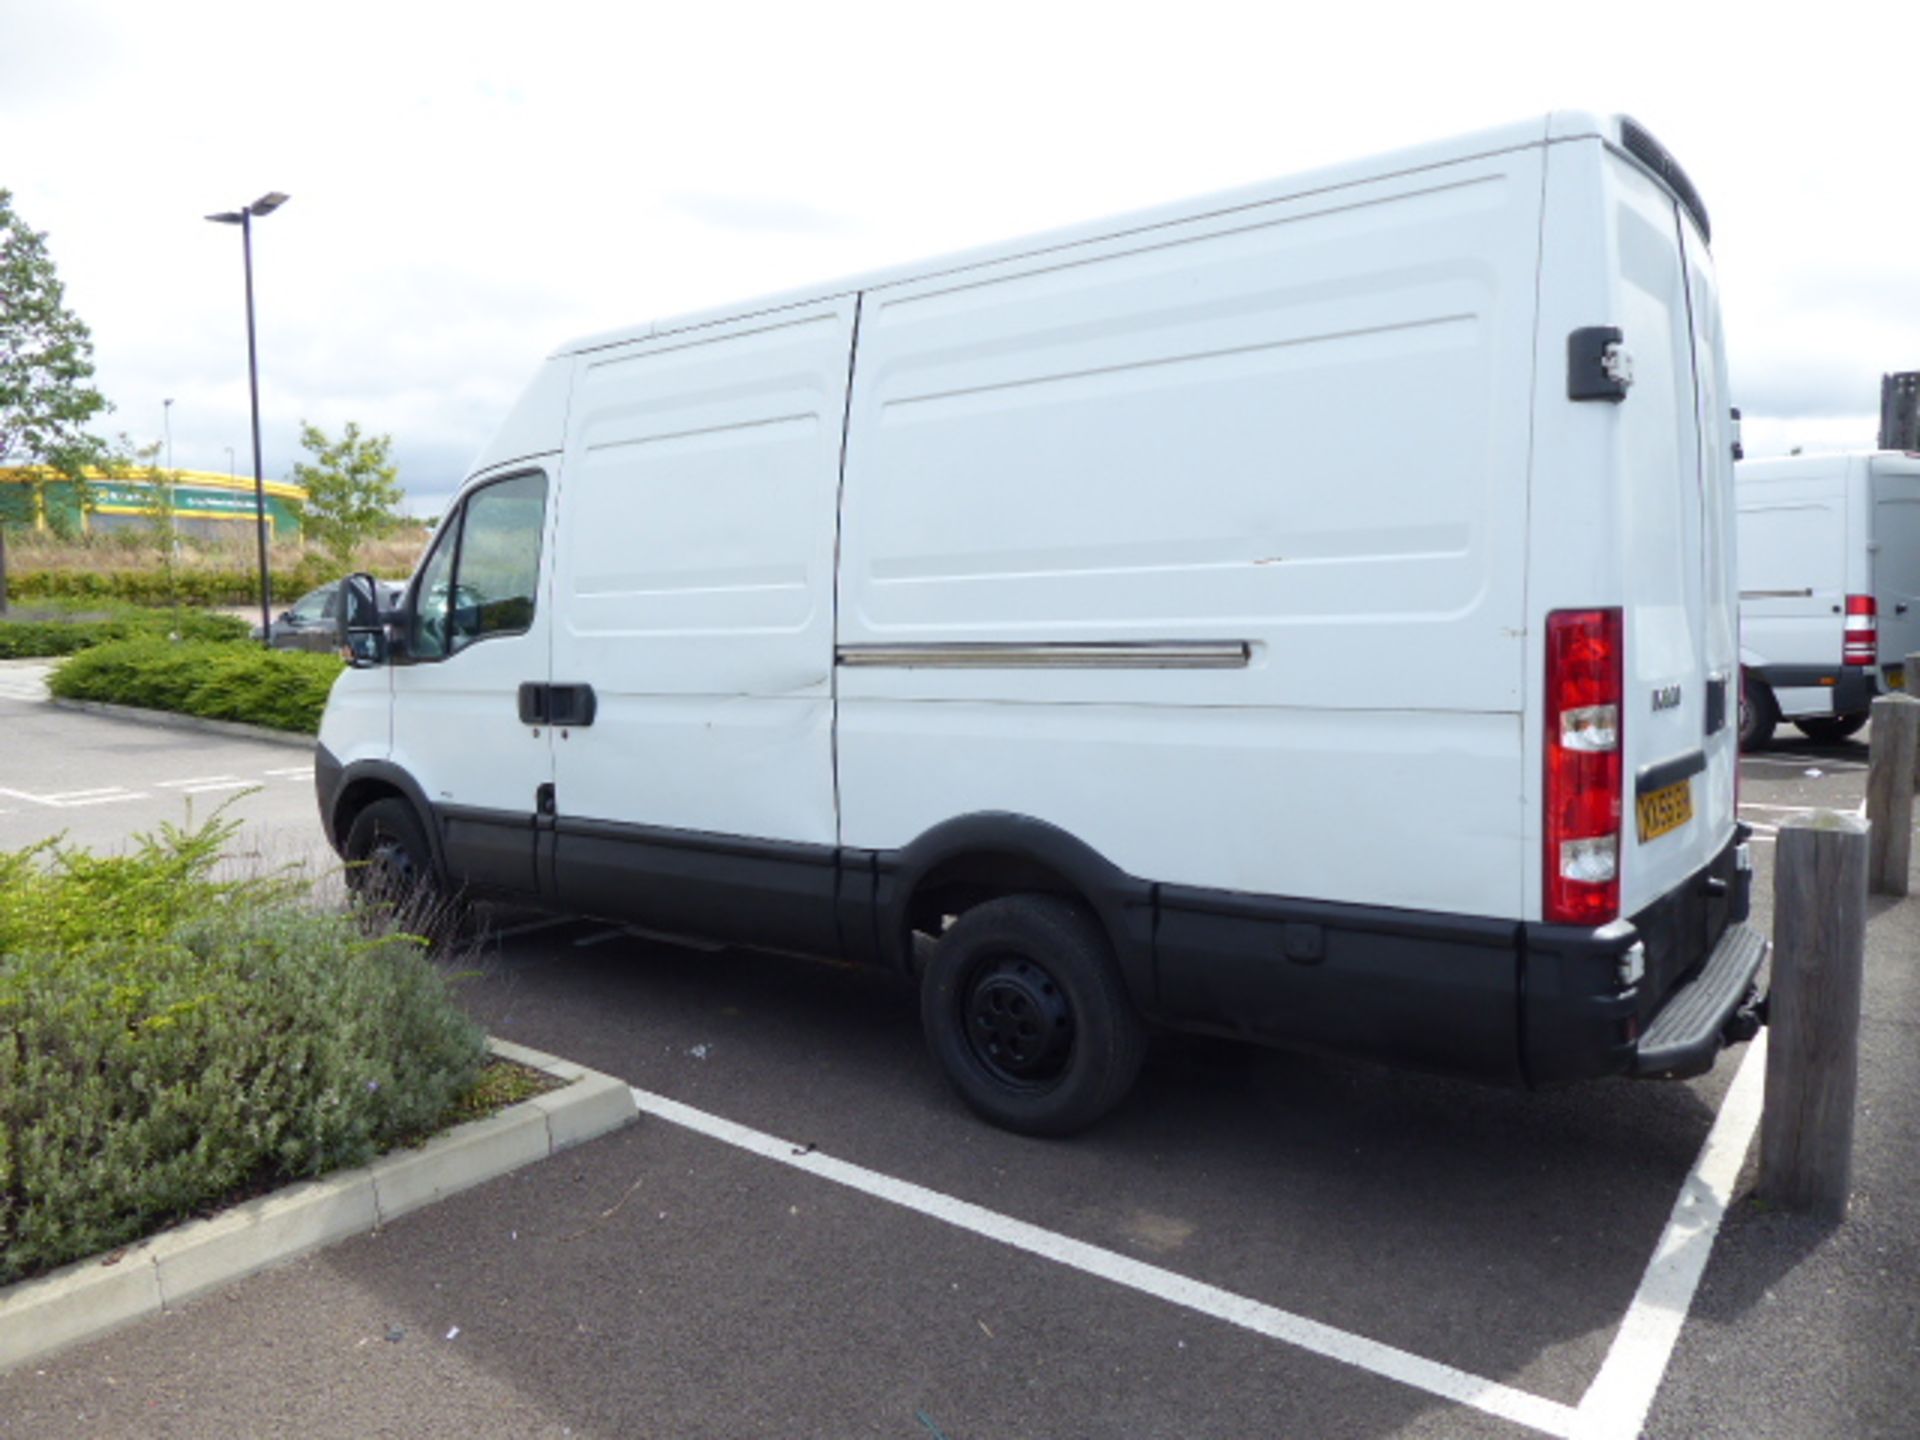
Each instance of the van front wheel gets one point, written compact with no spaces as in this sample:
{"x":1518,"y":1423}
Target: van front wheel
{"x":1026,"y":1013}
{"x":390,"y":869}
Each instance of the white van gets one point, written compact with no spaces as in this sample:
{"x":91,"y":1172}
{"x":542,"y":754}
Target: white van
{"x":1305,"y":613}
{"x":1829,"y":588}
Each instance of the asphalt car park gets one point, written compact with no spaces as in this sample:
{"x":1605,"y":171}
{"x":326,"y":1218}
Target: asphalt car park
{"x":807,"y":1234}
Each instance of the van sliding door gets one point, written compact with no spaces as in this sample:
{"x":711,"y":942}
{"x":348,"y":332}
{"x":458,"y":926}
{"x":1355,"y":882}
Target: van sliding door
{"x":693,"y":589}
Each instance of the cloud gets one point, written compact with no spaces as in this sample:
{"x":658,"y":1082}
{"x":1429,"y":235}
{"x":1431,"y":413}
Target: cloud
{"x":757,"y":213}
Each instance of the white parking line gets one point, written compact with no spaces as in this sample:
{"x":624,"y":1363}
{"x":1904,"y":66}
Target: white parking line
{"x":1549,"y":1416}
{"x":74,"y":801}
{"x":1825,"y":766}
{"x":198,"y":780}
{"x":291,"y":772}
{"x":1616,"y":1403}
{"x":601,"y":938}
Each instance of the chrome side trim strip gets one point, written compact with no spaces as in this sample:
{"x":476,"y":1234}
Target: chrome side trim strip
{"x":1775,"y":594}
{"x":1055,"y":655}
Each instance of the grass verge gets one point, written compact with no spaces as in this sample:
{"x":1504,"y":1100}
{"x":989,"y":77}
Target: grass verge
{"x":281,"y":689}
{"x":169,"y":1040}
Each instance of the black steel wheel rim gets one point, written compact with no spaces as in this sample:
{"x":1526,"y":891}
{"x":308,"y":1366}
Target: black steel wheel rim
{"x":391,"y":872}
{"x":1018,"y":1021}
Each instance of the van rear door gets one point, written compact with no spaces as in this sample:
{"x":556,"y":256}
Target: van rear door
{"x":1896,"y":558}
{"x":1675,"y":473}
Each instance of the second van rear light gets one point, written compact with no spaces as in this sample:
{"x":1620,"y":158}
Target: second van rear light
{"x":1860,"y":640}
{"x":1583,"y":761}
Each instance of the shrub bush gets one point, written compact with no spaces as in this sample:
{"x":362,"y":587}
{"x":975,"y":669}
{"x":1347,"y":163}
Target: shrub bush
{"x":169,"y":1040}
{"x":54,"y":634}
{"x":282,"y":689}
{"x":184,"y":586}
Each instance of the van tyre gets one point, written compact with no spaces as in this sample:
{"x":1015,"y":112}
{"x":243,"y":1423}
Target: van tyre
{"x":1829,"y":729}
{"x":1758,"y":714}
{"x":1026,"y":1013}
{"x":391,"y":874}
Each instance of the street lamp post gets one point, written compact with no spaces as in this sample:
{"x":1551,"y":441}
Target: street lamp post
{"x":243,"y":217}
{"x":166,"y":424}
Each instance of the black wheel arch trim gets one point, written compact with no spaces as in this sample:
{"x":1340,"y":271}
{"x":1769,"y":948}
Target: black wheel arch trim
{"x":1122,"y":904}
{"x":382,"y":772}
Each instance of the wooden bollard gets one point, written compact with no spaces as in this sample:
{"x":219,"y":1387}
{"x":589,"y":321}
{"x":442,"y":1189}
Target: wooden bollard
{"x":1813,"y":1012}
{"x":1890,"y":765}
{"x":1910,"y":682}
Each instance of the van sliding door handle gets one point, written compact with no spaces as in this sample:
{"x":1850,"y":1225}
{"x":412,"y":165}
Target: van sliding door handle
{"x":572,"y":705}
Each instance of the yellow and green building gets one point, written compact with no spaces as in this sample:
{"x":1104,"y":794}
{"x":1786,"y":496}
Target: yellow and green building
{"x":206,"y":505}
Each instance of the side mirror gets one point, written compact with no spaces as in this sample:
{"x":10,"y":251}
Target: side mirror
{"x":363,"y":629}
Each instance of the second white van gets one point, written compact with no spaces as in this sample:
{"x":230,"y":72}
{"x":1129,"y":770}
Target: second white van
{"x":1305,"y":613}
{"x":1829,"y":588}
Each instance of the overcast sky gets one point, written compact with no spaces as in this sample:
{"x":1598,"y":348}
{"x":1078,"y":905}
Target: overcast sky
{"x":474,"y":183}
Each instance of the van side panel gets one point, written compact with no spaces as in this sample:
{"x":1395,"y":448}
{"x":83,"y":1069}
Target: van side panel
{"x":1285,"y":433}
{"x":693,"y":582}
{"x":1793,"y":577}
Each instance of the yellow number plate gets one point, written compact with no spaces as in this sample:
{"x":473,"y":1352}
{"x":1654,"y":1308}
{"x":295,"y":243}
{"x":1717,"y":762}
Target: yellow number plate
{"x":1665,"y":809}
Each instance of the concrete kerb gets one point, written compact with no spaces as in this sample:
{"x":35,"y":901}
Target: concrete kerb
{"x":90,"y":1297}
{"x":175,"y":721}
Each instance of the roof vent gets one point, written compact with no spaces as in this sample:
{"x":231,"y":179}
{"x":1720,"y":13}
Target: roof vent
{"x":1652,"y":154}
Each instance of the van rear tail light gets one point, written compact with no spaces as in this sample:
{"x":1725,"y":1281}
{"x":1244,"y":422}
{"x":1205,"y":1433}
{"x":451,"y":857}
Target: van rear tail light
{"x":1860,"y":641}
{"x":1583,"y":807}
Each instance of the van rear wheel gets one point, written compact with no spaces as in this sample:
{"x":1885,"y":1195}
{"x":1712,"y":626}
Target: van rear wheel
{"x":1828,"y":729}
{"x":1025,"y":1011}
{"x":1758,"y":714}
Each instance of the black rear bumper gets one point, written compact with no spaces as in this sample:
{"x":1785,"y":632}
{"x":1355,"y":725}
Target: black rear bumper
{"x":1697,"y":960}
{"x":1686,"y":1034}
{"x":1853,"y":686}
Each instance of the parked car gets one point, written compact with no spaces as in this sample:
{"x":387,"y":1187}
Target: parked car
{"x":1829,"y":588}
{"x":313,"y":621}
{"x":1306,"y":613}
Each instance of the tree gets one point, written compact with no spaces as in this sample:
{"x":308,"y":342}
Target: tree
{"x":352,"y":488}
{"x":46,"y":364}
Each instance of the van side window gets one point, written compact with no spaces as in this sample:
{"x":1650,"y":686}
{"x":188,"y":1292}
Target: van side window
{"x":498,"y":566}
{"x":429,"y":638}
{"x":485,"y":567}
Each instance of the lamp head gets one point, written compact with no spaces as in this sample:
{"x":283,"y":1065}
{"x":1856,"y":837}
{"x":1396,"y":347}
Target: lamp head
{"x":268,"y":203}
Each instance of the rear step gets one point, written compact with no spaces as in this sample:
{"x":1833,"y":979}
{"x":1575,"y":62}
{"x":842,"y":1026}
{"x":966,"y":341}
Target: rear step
{"x":1686,"y":1035}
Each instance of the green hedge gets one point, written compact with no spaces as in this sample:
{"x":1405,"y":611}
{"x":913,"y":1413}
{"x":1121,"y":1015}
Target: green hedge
{"x":20,"y":638}
{"x":283,"y":689}
{"x":169,"y":1041}
{"x":155,"y":586}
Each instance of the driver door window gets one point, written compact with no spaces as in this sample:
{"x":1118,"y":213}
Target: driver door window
{"x":480,"y":580}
